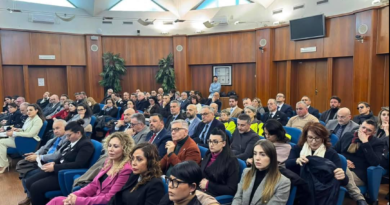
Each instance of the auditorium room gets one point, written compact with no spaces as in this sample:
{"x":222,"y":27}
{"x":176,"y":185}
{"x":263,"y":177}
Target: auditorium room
{"x":194,"y":102}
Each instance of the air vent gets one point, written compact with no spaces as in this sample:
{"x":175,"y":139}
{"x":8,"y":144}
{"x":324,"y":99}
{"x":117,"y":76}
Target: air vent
{"x":168,"y":23}
{"x":277,"y":11}
{"x":108,"y":18}
{"x":299,"y":7}
{"x":322,"y":2}
{"x":107,"y":22}
{"x":179,"y":21}
{"x":14,"y":10}
{"x":128,"y":23}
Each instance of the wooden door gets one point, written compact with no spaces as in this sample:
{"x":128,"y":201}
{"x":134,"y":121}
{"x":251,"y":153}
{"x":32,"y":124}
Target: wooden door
{"x":13,"y":80}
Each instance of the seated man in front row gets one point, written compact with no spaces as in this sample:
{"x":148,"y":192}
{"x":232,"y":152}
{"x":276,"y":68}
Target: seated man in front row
{"x":122,"y":125}
{"x":244,"y":138}
{"x":362,"y":150}
{"x":302,"y":118}
{"x":158,"y":135}
{"x":204,"y":128}
{"x":182,"y":148}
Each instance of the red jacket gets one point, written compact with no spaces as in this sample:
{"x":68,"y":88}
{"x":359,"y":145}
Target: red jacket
{"x":61,"y":114}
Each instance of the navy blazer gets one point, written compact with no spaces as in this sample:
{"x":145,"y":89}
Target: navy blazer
{"x":314,"y":112}
{"x":199,"y":129}
{"x":170,"y":119}
{"x":287,"y":109}
{"x":161,"y":139}
{"x":279,"y":116}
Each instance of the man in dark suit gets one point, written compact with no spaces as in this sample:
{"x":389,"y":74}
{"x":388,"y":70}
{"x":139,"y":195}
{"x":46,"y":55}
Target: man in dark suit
{"x":109,"y":93}
{"x":331,"y":114}
{"x":215,"y":100}
{"x":204,"y":128}
{"x":184,"y":102}
{"x":142,"y":103}
{"x":343,"y":124}
{"x":52,"y":106}
{"x":175,"y":114}
{"x":362,"y":150}
{"x":312,"y":110}
{"x":165,"y":110}
{"x":43,"y":102}
{"x":286,"y":109}
{"x":158,"y":135}
{"x":274,"y":113}
{"x":122,"y":125}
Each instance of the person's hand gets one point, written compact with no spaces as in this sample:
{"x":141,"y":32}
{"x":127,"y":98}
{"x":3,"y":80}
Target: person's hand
{"x":302,"y":160}
{"x":164,"y":103}
{"x":363,"y":137}
{"x":203,"y":184}
{"x":170,"y":146}
{"x":49,"y":167}
{"x":10,"y":133}
{"x":82,"y":116}
{"x":249,"y":161}
{"x":31,"y":158}
{"x":120,"y":123}
{"x":48,"y":118}
{"x":28,"y":154}
{"x":4,"y":104}
{"x":4,"y":121}
{"x":213,"y":99}
{"x":339,"y":174}
{"x":2,"y":129}
{"x":386,"y":128}
{"x":350,"y":164}
{"x":130,"y":132}
{"x":70,"y":200}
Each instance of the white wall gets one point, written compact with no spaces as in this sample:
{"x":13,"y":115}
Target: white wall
{"x":255,"y":14}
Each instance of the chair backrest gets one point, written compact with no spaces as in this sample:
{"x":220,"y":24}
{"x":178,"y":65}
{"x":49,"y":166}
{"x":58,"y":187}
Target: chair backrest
{"x":242,"y":165}
{"x":292,"y":144}
{"x":119,"y":113}
{"x":93,"y":120}
{"x":229,"y":134}
{"x":199,"y":116}
{"x":98,"y":150}
{"x":43,"y":129}
{"x":141,"y":112}
{"x":291,"y":199}
{"x":101,"y":106}
{"x":334,"y":139}
{"x":165,"y":184}
{"x":343,"y":162}
{"x":235,"y":120}
{"x":295,"y":134}
{"x":203,"y":151}
{"x":323,"y":123}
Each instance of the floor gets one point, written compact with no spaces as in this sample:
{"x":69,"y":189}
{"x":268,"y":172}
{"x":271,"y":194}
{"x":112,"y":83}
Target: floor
{"x":11,"y":190}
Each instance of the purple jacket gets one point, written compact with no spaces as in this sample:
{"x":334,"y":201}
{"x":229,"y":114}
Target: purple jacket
{"x":96,"y":194}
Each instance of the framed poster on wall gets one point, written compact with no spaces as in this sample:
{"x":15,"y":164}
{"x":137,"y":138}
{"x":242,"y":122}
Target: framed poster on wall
{"x":224,"y":74}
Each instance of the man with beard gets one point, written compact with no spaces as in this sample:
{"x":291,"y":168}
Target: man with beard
{"x":335,"y":103}
{"x":158,"y":135}
{"x":192,"y":119}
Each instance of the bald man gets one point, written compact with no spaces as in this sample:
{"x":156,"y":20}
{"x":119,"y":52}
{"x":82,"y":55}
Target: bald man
{"x":52,"y":106}
{"x":192,"y":119}
{"x":124,"y":124}
{"x":302,"y":118}
{"x":343,"y":124}
{"x":142,"y":104}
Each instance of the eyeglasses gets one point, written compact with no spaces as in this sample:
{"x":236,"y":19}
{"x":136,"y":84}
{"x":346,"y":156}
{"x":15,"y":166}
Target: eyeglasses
{"x":361,"y":107}
{"x":133,"y":125}
{"x":316,"y":139}
{"x":280,"y":96}
{"x":174,"y":182}
{"x":299,"y":109}
{"x":341,"y":117}
{"x":214,"y":142}
{"x":80,"y":109}
{"x":127,"y":115}
{"x":205,"y":114}
{"x":177,"y":129}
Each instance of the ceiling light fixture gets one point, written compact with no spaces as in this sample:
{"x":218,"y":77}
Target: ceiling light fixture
{"x":146,"y":22}
{"x":210,"y":24}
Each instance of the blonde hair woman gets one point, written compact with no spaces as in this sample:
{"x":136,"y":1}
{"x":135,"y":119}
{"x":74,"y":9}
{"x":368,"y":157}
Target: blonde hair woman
{"x":95,"y":107}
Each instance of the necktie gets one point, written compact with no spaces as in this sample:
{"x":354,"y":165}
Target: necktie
{"x":203,"y":135}
{"x":278,"y":108}
{"x":339,"y":132}
{"x":64,"y":152}
{"x":54,"y":146}
{"x":152,"y":139}
{"x":271,"y":116}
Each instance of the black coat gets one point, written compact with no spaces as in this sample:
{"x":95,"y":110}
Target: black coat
{"x":165,"y":201}
{"x":325,"y":117}
{"x":14,"y":118}
{"x":112,"y":113}
{"x":96,"y":109}
{"x":165,"y":111}
{"x":242,"y":144}
{"x":44,"y":104}
{"x":314,"y":112}
{"x":287,"y":109}
{"x":279,"y":116}
{"x":218,"y":102}
{"x":359,"y":119}
{"x":23,"y":119}
{"x":303,"y":191}
{"x":319,"y":174}
{"x":224,"y":183}
{"x":171,"y":119}
{"x":184,"y":105}
{"x":199,"y":129}
{"x":150,"y":193}
{"x":142,"y":105}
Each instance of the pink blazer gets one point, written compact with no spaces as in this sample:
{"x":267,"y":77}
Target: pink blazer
{"x":96,"y":194}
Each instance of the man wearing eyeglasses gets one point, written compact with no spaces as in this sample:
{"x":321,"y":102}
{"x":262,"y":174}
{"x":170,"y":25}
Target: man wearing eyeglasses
{"x":362,"y":150}
{"x":343,"y":124}
{"x":313,"y":111}
{"x":204,"y":128}
{"x":365,"y":113}
{"x":122,"y":125}
{"x":302,"y":118}
{"x":182,"y":148}
{"x":175,"y":114}
{"x":138,"y":130}
{"x":52,"y":106}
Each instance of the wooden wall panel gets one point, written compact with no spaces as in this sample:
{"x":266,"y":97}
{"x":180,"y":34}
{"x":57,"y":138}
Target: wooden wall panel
{"x":116,"y":45}
{"x":75,"y":80}
{"x":220,"y":48}
{"x":73,"y":50}
{"x":45,"y":44}
{"x":35,"y":91}
{"x":138,"y":51}
{"x":377,"y":85}
{"x":284,"y":47}
{"x":140,"y":78}
{"x":281,"y":76}
{"x":56,"y":80}
{"x":319,"y":43}
{"x":342,"y":85}
{"x":202,"y":77}
{"x":15,"y":47}
{"x":265,"y":65}
{"x":93,"y":70}
{"x":321,"y":96}
{"x":198,"y":50}
{"x":386,"y":85}
{"x":182,"y":70}
{"x":383,"y":31}
{"x":243,"y":47}
{"x":13,"y":83}
{"x":340,"y":33}
{"x":159,"y":48}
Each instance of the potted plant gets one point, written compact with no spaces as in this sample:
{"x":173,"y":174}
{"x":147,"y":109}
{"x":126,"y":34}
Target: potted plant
{"x":166,"y":74}
{"x":113,"y":70}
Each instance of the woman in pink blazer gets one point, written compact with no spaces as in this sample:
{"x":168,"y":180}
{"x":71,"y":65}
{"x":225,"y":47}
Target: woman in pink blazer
{"x":110,"y":179}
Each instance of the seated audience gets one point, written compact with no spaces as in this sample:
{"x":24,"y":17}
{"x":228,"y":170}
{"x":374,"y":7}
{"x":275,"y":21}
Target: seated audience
{"x":20,"y":100}
{"x":331,"y":114}
{"x":30,"y":129}
{"x":256,"y":102}
{"x":126,"y":97}
{"x":275,"y":133}
{"x":234,"y":110}
{"x":166,"y":107}
{"x":23,"y":109}
{"x":109,"y":109}
{"x":204,"y":128}
{"x":160,"y":99}
{"x":172,"y":94}
{"x":229,"y":124}
{"x":192,"y":119}
{"x":131,"y":104}
{"x":192,"y":93}
{"x":365,"y":113}
{"x":343,"y":124}
{"x":75,"y":155}
{"x":246,"y":102}
{"x":220,"y":167}
{"x":134,"y":97}
{"x":182,"y":148}
{"x":158,"y":135}
{"x":282,"y":107}
{"x":64,"y":112}
{"x":215,"y":99}
{"x":84,"y":113}
{"x":144,"y":186}
{"x":108,"y":95}
{"x":263,"y":183}
{"x":14,"y":116}
{"x":160,"y":91}
{"x":63,"y":98}
{"x":111,"y":178}
{"x":72,"y":111}
{"x":182,"y":185}
{"x":256,"y":125}
{"x":184,"y":102}
{"x":7,"y":101}
{"x":138,"y":130}
{"x":362,"y":150}
{"x":52,"y":106}
{"x":383,"y":134}
{"x":93,"y":105}
{"x":201,"y":100}
{"x":215,"y":107}
{"x":28,"y":166}
{"x":154,"y":107}
{"x":118,"y":100}
{"x":244,"y":138}
{"x":313,"y":111}
{"x":175,"y":114}
{"x":153,"y":93}
{"x":303,"y":117}
{"x":274,"y":113}
{"x":195,"y":101}
{"x":44,"y":101}
{"x":124,"y":124}
{"x":142,"y":103}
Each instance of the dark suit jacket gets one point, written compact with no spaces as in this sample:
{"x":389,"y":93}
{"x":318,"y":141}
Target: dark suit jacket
{"x":112,"y":113}
{"x":49,"y":109}
{"x":314,"y":112}
{"x":142,"y":105}
{"x":14,"y":118}
{"x":77,"y":157}
{"x":166,"y":111}
{"x":95,"y":109}
{"x":199,"y":129}
{"x":218,"y":102}
{"x":121,"y":129}
{"x":42,"y":105}
{"x":163,"y":137}
{"x":148,"y":194}
{"x":171,"y":119}
{"x":325,"y":117}
{"x":279,"y":116}
{"x":287,"y":109}
{"x":184,"y":105}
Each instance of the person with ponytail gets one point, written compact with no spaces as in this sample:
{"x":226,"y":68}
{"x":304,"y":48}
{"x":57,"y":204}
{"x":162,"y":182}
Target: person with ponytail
{"x":76,"y":154}
{"x":263,"y":183}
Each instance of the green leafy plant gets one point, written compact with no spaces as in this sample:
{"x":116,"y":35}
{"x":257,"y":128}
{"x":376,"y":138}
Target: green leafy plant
{"x":166,"y":74}
{"x":113,"y":70}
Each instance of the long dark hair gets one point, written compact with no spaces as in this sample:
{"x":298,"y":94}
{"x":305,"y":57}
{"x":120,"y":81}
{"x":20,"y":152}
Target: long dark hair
{"x":71,"y":114}
{"x":274,"y":127}
{"x":224,"y":158}
{"x":88,"y":111}
{"x":39,"y":113}
{"x":189,"y":172}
